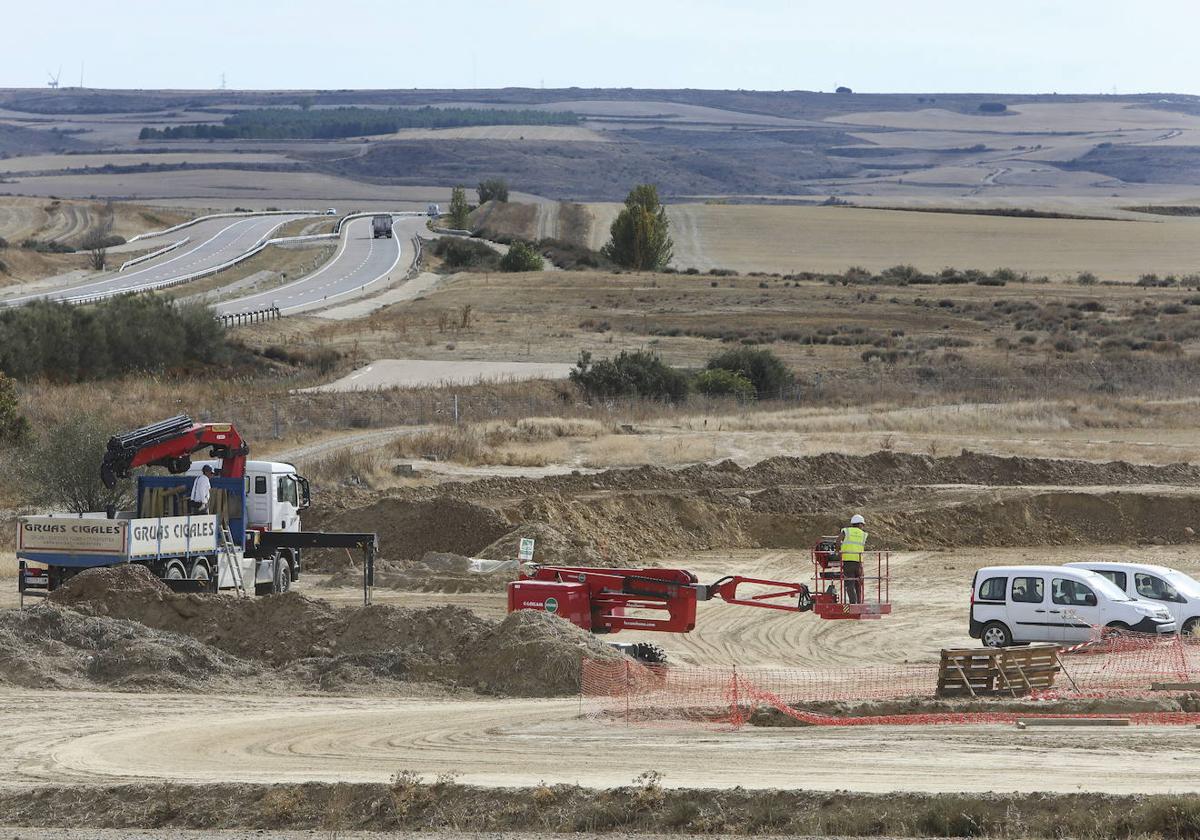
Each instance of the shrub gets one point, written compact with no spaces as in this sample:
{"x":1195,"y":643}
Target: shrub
{"x":521,"y":257}
{"x":458,"y":253}
{"x":125,"y":334}
{"x":3,"y":243}
{"x":992,"y":107}
{"x":14,"y":427}
{"x":1086,"y":278}
{"x":46,"y":247}
{"x":493,"y":189}
{"x":723,"y":383}
{"x":59,"y":469}
{"x":637,"y":374}
{"x":761,"y":367}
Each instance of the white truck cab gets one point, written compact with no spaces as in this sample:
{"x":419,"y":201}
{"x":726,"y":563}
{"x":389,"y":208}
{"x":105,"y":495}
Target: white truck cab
{"x":1017,"y":604}
{"x":1178,"y":592}
{"x":275,"y":494}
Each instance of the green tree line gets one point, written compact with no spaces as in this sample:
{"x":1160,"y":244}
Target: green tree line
{"x":328,"y":123}
{"x":125,"y":334}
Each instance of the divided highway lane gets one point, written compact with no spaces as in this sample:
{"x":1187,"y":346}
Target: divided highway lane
{"x":211,"y":244}
{"x":360,"y":262}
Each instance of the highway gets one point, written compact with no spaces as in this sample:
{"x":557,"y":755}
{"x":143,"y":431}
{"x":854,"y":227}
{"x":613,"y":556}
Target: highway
{"x":210,"y":243}
{"x":361,"y":262}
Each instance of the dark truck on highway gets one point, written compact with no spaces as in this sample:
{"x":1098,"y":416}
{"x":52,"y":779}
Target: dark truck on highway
{"x":381,"y":225}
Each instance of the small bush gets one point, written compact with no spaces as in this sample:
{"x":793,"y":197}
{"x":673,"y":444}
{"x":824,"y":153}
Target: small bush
{"x":46,"y":247}
{"x":1086,"y":278}
{"x":459,"y":253}
{"x":723,"y":383}
{"x":3,"y":243}
{"x":761,"y":367}
{"x":630,"y":374}
{"x":521,"y":257}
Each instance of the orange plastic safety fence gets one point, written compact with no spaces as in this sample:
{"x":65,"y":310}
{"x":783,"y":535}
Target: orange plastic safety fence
{"x":1116,"y":665}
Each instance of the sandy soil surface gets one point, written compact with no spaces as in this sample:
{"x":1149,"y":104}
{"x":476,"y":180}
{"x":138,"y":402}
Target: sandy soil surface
{"x":409,"y":373}
{"x":101,"y":737}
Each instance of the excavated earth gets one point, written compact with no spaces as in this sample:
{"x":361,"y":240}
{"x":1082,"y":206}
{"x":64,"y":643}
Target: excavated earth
{"x":121,"y":627}
{"x":911,"y":502}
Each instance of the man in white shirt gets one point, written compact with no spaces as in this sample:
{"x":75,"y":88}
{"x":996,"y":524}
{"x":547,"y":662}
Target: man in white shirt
{"x":198,"y":500}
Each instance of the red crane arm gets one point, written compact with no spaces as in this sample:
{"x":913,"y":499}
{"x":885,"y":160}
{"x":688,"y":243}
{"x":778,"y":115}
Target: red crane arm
{"x":170,"y":444}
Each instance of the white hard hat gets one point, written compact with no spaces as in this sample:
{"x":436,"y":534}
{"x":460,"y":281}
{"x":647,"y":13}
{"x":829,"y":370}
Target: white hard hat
{"x":857,"y":519}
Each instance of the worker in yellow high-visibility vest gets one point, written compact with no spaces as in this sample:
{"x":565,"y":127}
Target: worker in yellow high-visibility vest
{"x":851,"y":543}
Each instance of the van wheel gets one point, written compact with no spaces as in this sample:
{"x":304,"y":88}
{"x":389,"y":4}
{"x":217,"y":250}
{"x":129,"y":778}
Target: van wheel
{"x":1191,"y":627}
{"x":1113,"y":629}
{"x":995,"y":635}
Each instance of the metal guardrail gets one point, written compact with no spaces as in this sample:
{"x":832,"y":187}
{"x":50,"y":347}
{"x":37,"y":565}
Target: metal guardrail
{"x":257,"y":316}
{"x":206,"y":272}
{"x":231,"y":215}
{"x":154,"y":254}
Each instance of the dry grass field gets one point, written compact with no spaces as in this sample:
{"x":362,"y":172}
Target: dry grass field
{"x":53,"y":163}
{"x":1030,"y":117}
{"x":247,"y":188}
{"x":560,"y":133}
{"x":790,"y":239}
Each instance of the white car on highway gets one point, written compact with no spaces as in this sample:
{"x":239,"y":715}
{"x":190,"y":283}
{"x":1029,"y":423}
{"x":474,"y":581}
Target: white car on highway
{"x":1178,"y":592}
{"x":1018,"y":604}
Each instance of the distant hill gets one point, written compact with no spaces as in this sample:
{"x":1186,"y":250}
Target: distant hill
{"x":17,"y":140}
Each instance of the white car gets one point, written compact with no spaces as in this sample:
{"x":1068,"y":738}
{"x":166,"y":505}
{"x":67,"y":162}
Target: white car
{"x":1018,"y":604}
{"x":332,"y":211}
{"x":1169,"y":588}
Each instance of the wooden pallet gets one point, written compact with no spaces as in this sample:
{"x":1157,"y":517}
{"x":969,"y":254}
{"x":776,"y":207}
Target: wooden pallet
{"x":990,"y":672}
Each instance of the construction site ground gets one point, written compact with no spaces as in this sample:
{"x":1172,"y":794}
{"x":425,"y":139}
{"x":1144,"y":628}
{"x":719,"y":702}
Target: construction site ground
{"x":321,"y":701}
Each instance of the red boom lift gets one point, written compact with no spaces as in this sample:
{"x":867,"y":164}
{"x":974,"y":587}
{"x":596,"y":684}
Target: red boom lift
{"x":664,"y":600}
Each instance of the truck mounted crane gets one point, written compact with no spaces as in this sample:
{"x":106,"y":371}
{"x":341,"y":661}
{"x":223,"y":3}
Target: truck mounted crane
{"x":250,"y":535}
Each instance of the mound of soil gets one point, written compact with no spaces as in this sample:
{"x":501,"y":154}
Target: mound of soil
{"x":49,"y":646}
{"x":408,"y":529}
{"x":336,"y":648}
{"x":551,"y":546}
{"x":444,"y":572}
{"x":533,"y":654}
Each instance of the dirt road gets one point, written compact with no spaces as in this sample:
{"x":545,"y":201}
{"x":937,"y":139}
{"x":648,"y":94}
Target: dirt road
{"x":101,"y":737}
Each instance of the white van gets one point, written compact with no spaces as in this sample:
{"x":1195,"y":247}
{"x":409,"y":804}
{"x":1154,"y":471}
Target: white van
{"x":1169,"y":588}
{"x":1017,"y":604}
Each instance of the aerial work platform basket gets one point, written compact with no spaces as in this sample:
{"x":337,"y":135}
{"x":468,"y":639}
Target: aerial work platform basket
{"x":831,"y":598}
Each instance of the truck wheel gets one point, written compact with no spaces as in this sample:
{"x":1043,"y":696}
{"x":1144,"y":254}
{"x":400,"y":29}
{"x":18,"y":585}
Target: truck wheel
{"x":269,"y":588}
{"x":175,"y":571}
{"x":202,"y":570}
{"x":995,"y":635}
{"x":283,"y":576}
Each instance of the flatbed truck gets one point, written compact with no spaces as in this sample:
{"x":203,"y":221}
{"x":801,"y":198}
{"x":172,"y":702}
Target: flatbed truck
{"x":250,"y":534}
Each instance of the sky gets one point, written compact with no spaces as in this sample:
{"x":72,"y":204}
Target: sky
{"x":904,"y":46}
